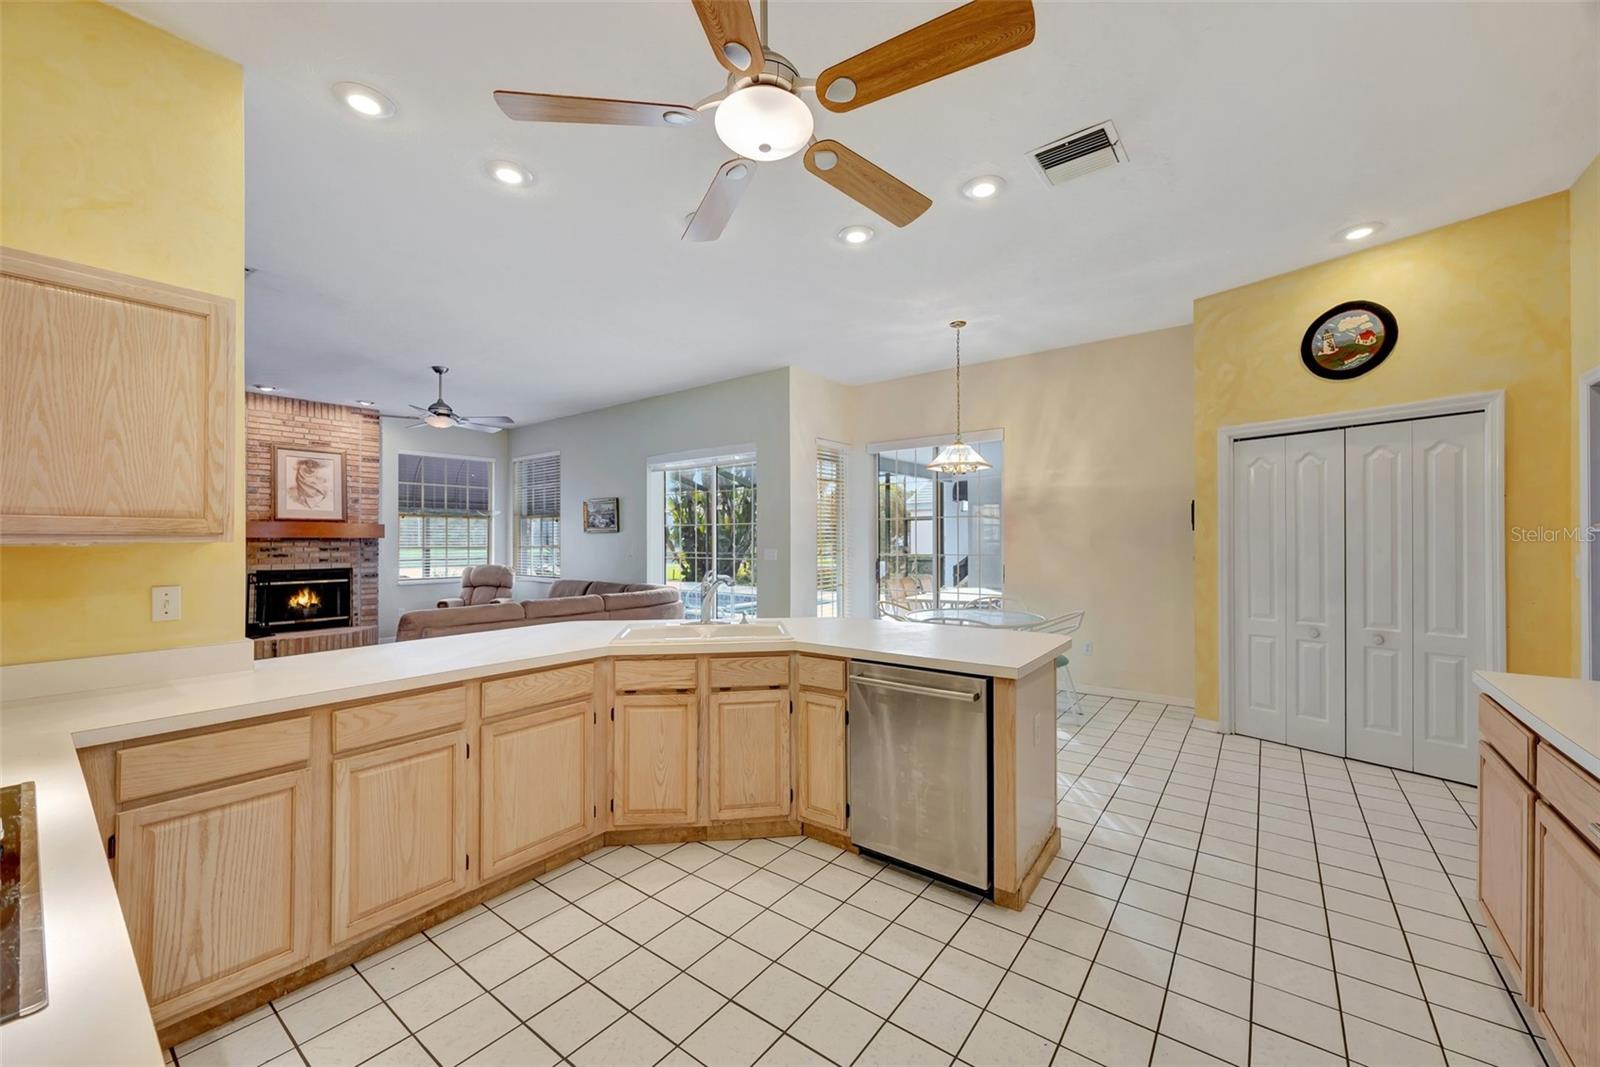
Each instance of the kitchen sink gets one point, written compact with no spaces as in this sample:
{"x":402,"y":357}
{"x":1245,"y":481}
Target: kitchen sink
{"x":662,"y":632}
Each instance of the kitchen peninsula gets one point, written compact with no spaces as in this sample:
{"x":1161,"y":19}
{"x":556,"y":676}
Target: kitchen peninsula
{"x":347,"y":799}
{"x":1539,"y":848}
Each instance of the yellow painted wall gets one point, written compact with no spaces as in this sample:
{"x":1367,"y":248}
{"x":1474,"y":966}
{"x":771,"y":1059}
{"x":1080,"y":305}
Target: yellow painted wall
{"x":1481,"y":305}
{"x":1096,"y":483}
{"x":121,"y":146}
{"x":1584,"y":216}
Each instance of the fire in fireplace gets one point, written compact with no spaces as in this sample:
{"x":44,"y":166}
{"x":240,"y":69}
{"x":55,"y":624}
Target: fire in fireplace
{"x":289,"y":600}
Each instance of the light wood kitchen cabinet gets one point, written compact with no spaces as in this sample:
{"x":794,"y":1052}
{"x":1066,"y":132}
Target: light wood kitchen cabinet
{"x":216,"y":889}
{"x":118,"y":422}
{"x":749,"y":748}
{"x":537,"y":785}
{"x":655,"y":759}
{"x":1565,"y":989}
{"x":399,"y":831}
{"x":1505,"y":836}
{"x":820,"y":738}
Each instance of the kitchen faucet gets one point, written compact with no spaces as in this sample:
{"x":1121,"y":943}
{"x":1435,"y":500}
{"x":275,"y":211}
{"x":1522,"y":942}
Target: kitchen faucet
{"x":708,"y":594}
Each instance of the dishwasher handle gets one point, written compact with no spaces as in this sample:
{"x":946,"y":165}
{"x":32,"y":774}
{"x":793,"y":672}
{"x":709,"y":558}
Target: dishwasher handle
{"x":923,"y":690}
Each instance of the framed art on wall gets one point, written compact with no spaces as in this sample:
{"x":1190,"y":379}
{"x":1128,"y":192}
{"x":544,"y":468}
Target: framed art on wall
{"x":603,"y":514}
{"x":1348,"y":340}
{"x":307,"y":484}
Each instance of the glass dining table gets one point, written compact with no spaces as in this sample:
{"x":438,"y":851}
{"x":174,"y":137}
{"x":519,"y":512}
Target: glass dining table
{"x":998,"y":618}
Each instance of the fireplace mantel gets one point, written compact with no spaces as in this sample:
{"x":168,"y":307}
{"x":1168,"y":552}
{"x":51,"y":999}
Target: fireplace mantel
{"x":281,"y":529}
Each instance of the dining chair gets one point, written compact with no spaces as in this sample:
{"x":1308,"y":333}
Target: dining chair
{"x":1066,"y":625}
{"x":889,"y":609}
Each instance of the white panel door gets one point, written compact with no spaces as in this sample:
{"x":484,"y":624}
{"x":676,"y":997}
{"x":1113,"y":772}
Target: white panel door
{"x":1260,"y":597}
{"x":1314,"y":481}
{"x":1450,"y":608}
{"x":1378,"y":600}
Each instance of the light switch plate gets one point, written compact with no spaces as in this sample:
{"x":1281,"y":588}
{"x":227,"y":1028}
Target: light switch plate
{"x":769,"y":554}
{"x":166,"y":603}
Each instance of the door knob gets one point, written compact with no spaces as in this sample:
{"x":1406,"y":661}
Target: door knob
{"x":1377,"y":639}
{"x":1315,"y":632}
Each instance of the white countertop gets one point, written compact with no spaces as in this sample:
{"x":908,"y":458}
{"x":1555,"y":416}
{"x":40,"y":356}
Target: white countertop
{"x":97,"y":1012}
{"x":1562,"y":711}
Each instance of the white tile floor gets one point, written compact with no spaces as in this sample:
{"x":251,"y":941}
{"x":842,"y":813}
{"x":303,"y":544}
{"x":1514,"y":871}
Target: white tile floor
{"x":1217,"y":900}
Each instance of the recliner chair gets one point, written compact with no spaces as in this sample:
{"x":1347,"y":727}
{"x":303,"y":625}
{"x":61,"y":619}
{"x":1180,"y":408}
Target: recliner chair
{"x":486,"y":584}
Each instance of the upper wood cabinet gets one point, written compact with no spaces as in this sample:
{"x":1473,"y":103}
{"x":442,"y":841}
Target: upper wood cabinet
{"x":750,"y":754}
{"x":216,"y":889}
{"x":655,"y":758}
{"x":820,"y":739}
{"x":399,"y":831}
{"x":1505,"y":837}
{"x":116,"y":422}
{"x":537,"y":781}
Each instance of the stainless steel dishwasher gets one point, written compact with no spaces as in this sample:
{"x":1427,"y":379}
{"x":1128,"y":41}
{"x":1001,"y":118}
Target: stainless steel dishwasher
{"x":919,"y":769}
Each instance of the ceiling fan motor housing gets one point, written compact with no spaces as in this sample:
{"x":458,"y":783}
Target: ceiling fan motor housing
{"x":777,"y":70}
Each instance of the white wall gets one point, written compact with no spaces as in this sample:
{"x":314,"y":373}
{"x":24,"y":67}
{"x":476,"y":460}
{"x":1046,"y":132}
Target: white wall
{"x":394,"y":596}
{"x":606,"y":453}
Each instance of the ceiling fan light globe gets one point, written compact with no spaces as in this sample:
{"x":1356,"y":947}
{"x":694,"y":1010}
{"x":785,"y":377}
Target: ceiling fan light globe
{"x":438,"y":422}
{"x":764,"y":122}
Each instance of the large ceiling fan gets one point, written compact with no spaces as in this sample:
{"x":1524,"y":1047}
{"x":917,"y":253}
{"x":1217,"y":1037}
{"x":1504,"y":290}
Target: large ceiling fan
{"x":761,"y":116}
{"x":442,"y":416}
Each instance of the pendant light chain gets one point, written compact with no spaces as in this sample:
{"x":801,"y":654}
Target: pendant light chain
{"x":958,"y":383}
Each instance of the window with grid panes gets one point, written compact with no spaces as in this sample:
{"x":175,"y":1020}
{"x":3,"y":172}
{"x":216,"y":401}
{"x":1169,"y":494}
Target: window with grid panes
{"x":536,"y":489}
{"x":445,"y":509}
{"x":939,"y":535}
{"x":709,"y":526}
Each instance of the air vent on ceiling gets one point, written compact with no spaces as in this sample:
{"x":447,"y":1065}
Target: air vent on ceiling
{"x":1079,"y":153}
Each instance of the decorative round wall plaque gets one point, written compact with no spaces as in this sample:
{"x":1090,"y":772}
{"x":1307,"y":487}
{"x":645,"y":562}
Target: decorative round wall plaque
{"x":1349,"y":340}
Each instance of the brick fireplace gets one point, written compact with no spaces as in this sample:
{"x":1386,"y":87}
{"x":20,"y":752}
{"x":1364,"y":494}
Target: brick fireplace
{"x":311,"y":549}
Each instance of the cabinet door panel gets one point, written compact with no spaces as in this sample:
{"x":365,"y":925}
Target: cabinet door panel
{"x":1566,"y":982}
{"x":655,"y":758}
{"x":1505,"y":842}
{"x":750,"y":755}
{"x":537,"y":785}
{"x":820,"y":733}
{"x":216,"y":889}
{"x":399,"y":831}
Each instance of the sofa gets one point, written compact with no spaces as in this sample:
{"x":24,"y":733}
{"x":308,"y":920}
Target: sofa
{"x":570,"y":600}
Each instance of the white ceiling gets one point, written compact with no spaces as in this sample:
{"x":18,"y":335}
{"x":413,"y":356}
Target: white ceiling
{"x":1255,"y":130}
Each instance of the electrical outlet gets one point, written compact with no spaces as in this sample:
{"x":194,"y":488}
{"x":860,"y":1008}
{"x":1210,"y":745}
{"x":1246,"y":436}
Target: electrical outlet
{"x":166,"y":603}
{"x":1088,"y":648}
{"x":770,"y":555}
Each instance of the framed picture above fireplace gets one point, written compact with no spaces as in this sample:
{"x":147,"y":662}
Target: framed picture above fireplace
{"x":307,"y":484}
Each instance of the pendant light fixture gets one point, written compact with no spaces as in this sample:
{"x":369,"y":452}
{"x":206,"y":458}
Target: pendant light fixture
{"x":958,"y":457}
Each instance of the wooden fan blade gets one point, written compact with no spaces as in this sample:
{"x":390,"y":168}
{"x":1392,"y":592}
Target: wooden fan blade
{"x":716,"y":207}
{"x":865,"y":182}
{"x":970,"y":34}
{"x":731,"y":28}
{"x":548,"y":107}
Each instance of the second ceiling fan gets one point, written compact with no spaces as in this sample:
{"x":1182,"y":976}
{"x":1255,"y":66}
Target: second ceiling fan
{"x":761,"y":116}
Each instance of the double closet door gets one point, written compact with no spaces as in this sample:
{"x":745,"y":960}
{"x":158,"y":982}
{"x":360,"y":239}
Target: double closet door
{"x":1360,"y":587}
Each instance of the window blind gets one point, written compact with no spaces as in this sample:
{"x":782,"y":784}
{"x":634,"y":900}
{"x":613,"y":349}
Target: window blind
{"x":830,"y":532}
{"x":445,"y":507}
{"x":536,"y":487}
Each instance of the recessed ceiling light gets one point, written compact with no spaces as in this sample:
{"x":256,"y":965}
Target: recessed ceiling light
{"x":508,"y":173}
{"x":984,"y":187}
{"x":856,"y":235}
{"x":265,"y":388}
{"x":367,"y":403}
{"x":364,"y":100}
{"x":1360,"y":232}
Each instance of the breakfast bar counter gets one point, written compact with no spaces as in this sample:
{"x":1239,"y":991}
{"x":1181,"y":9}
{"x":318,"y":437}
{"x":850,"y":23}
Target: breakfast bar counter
{"x":300,"y":736}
